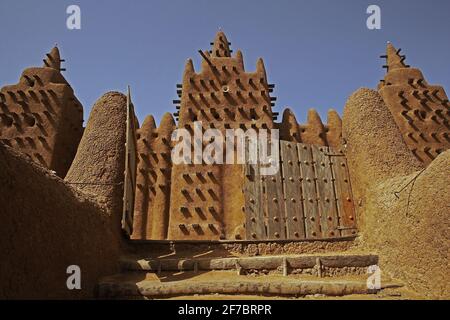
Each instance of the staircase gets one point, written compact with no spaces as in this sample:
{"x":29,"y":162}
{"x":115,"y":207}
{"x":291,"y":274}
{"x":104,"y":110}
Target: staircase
{"x":208,"y":276}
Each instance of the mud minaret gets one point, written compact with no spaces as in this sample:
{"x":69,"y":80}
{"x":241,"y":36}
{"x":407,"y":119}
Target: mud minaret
{"x":41,"y":117}
{"x":420,"y":110}
{"x":200,"y":201}
{"x":207,"y":200}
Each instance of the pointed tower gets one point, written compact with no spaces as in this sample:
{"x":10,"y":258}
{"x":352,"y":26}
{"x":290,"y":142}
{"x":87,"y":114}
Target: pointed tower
{"x":41,"y":116}
{"x":53,"y":59}
{"x":419,"y":109}
{"x":394,"y":60}
{"x":143,"y":177}
{"x":160,"y":170}
{"x":334,"y":130}
{"x":289,"y":127}
{"x":207,"y":200}
{"x":314,"y":130}
{"x":220,"y":46}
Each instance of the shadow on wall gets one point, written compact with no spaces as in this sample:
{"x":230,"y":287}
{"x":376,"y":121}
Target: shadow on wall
{"x":49,"y":224}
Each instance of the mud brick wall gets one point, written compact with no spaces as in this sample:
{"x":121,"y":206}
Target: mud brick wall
{"x":207,"y":200}
{"x":314,"y":131}
{"x":99,"y":164}
{"x":143,"y":180}
{"x":48,"y":225}
{"x":408,"y":228}
{"x":153,"y":179}
{"x":420,"y":110}
{"x":41,"y":117}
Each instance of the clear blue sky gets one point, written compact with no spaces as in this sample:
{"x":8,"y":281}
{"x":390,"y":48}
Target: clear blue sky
{"x":316,"y":52}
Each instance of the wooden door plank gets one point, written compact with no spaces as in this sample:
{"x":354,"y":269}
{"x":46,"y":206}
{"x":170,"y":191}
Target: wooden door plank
{"x":255,"y":224}
{"x":275,"y":206}
{"x":264,"y":208}
{"x":311,"y":211}
{"x":295,"y":224}
{"x":344,"y":198}
{"x":325,"y":190}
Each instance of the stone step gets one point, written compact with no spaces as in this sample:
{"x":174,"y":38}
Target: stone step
{"x":319,"y":264}
{"x":159,"y":248}
{"x":150,"y":286}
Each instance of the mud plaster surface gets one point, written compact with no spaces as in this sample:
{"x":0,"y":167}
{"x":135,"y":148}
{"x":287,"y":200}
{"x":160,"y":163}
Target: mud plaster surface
{"x":410,"y":233}
{"x":100,"y":160}
{"x":46,"y":226}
